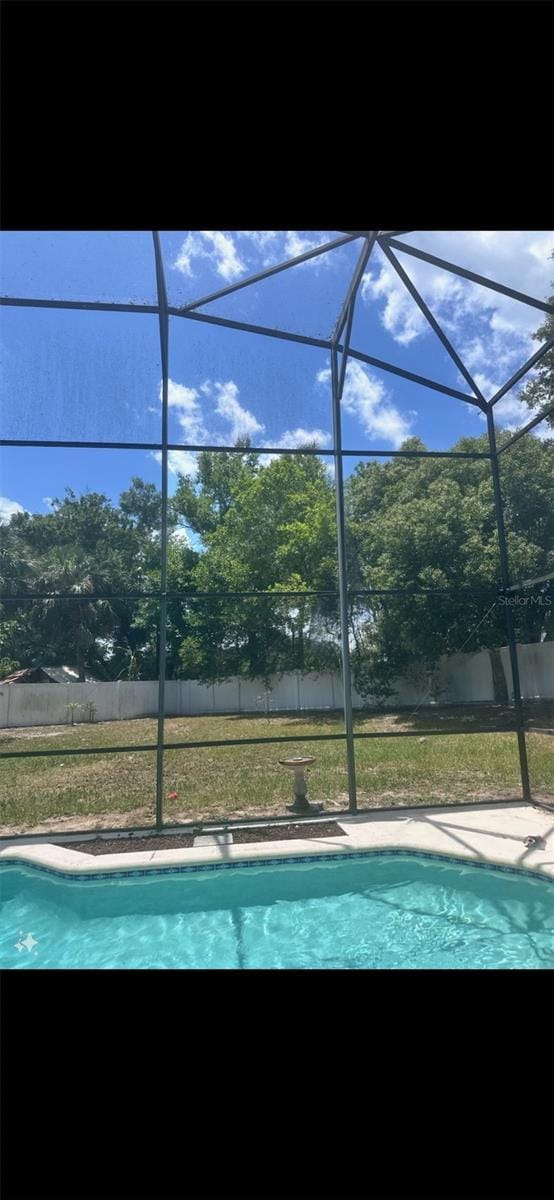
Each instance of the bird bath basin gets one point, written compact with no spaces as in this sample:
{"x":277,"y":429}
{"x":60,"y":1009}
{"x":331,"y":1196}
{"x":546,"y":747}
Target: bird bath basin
{"x":300,"y":784}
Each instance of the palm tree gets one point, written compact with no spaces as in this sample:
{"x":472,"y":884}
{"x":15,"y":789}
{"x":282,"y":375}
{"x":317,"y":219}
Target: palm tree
{"x":75,"y":624}
{"x":17,"y":566}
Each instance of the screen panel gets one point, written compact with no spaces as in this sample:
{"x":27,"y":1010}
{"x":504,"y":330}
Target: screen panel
{"x":305,"y":298}
{"x":80,"y":521}
{"x":248,"y":666}
{"x":104,"y":265}
{"x":442,"y":770}
{"x":237,"y":782}
{"x":228,"y":386}
{"x":80,"y":376}
{"x":66,"y":792}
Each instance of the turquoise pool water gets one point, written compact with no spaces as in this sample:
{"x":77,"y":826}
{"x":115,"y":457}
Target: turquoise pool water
{"x":386,"y":911}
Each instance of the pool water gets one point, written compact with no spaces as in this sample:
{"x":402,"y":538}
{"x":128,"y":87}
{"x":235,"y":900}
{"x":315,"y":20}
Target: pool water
{"x":385,"y":911}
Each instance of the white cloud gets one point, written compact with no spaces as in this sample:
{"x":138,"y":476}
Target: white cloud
{"x":400,"y":317}
{"x":330,"y":469}
{"x":512,"y":413}
{"x":8,"y":508}
{"x":518,"y":259}
{"x":297,"y":437}
{"x":295,"y":245}
{"x":366,"y":398}
{"x":180,"y":396}
{"x":214,"y":245}
{"x":484,"y":326}
{"x":182,"y":462}
{"x":189,"y":414}
{"x":542,"y":431}
{"x":224,"y":401}
{"x":48,"y":502}
{"x":179,"y":462}
{"x":180,"y":535}
{"x":486,"y":384}
{"x":259,"y":248}
{"x":260,"y":238}
{"x":303,"y":437}
{"x":243,"y":423}
{"x":283,"y":244}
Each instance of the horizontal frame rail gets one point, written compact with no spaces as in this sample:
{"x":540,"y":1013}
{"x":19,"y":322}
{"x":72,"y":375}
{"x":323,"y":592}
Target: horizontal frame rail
{"x":279,"y":739}
{"x":198,"y":448}
{"x":525,"y":583}
{"x":493,"y":589}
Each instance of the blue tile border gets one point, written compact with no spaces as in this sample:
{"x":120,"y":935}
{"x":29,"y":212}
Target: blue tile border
{"x":241,"y":864}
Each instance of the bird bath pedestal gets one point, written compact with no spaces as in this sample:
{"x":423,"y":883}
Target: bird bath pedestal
{"x":301,"y":805}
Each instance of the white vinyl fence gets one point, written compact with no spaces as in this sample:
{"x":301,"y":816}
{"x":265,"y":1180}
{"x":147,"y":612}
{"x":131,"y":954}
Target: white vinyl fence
{"x":463,"y":678}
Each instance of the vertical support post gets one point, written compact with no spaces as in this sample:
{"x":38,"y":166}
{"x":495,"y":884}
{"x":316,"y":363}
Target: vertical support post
{"x":505,"y":577}
{"x":164,"y":347}
{"x":343,"y":583}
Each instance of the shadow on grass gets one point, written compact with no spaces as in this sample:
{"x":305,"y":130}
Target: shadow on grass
{"x":472,"y":716}
{"x":443,"y":717}
{"x":291,"y":717}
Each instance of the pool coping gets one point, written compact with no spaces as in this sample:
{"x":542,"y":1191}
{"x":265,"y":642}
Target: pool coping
{"x":413,"y":832}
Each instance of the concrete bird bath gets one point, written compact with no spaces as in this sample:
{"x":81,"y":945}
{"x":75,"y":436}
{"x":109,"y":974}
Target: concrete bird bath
{"x":300,"y":785}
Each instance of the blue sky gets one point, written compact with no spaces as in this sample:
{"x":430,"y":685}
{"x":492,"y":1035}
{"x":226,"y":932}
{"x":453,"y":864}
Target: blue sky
{"x":96,"y":376}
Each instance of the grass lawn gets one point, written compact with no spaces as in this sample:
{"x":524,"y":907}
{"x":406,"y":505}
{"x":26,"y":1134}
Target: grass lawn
{"x":218,"y":782}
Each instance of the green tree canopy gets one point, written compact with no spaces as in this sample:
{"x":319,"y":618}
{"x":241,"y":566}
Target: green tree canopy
{"x":85,"y":547}
{"x":430,"y":524}
{"x":266,"y":527}
{"x":538,"y":392}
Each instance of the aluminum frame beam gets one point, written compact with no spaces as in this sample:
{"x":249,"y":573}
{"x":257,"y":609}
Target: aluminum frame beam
{"x":277,"y":450}
{"x":325,"y":248}
{"x":420,"y":379}
{"x":541,"y":416}
{"x":347,"y":309}
{"x":433,"y":323}
{"x":164,"y":348}
{"x":28,"y":597}
{"x":535,"y":358}
{"x":343,"y":584}
{"x":517,"y":587}
{"x":512,"y":642}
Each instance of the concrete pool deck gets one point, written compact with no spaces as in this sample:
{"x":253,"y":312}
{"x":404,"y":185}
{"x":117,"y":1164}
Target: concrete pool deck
{"x":488,"y":833}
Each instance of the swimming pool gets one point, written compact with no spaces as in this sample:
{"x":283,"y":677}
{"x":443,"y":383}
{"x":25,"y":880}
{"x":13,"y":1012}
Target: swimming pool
{"x":367,"y":910}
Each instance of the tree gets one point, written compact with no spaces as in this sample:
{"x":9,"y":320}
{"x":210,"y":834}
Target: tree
{"x":84,"y":547}
{"x":71,"y":628}
{"x":266,"y":527}
{"x":203,"y":503}
{"x":539,"y":392}
{"x":430,"y":524}
{"x":142,"y":504}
